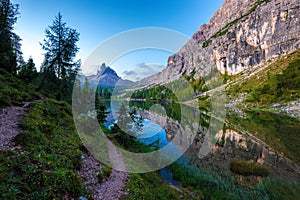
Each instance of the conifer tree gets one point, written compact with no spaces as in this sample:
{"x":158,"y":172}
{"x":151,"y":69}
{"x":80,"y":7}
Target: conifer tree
{"x":60,"y":50}
{"x":28,"y":71}
{"x":10,"y":48}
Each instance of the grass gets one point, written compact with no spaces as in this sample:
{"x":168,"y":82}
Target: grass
{"x":45,"y":167}
{"x":104,"y":173}
{"x":209,"y":186}
{"x":277,"y":189}
{"x":146,"y":185}
{"x":13,"y":91}
{"x":248,"y":168}
{"x":149,"y":186}
{"x":219,"y":185}
{"x":279,"y":82}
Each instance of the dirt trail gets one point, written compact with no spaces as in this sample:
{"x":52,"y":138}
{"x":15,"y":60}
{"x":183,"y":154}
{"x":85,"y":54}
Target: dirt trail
{"x":10,"y":118}
{"x":110,"y":189}
{"x":113,"y":187}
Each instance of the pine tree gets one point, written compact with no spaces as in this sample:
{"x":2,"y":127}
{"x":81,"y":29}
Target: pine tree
{"x":28,"y":71}
{"x":10,"y":48}
{"x":60,"y":50}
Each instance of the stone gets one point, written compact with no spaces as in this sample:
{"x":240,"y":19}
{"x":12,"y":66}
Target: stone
{"x":240,"y":35}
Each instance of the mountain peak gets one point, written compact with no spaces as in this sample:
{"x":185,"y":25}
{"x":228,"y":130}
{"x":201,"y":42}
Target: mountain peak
{"x":110,"y":71}
{"x":241,"y":35}
{"x":101,"y":69}
{"x":105,"y":77}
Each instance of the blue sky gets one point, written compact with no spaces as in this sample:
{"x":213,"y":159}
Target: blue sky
{"x":99,"y":20}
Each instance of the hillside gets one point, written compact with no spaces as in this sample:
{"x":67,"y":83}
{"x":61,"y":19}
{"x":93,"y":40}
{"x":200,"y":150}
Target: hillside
{"x":240,"y":35}
{"x":249,"y":50}
{"x":14,"y":91}
{"x":274,"y":86}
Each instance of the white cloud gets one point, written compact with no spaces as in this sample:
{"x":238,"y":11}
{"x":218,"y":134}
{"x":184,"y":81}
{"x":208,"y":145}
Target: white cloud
{"x":141,"y":71}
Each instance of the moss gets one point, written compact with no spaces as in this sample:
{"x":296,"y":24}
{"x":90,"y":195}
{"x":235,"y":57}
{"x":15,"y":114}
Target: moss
{"x":248,"y":168}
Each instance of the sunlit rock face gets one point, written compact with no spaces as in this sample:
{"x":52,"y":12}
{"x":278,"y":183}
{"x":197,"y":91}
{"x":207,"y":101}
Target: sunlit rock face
{"x":240,"y":35}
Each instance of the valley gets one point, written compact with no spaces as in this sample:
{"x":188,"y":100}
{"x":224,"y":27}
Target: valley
{"x":221,"y":120}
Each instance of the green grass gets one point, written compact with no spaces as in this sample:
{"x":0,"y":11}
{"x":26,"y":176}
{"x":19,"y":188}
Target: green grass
{"x":45,"y":167}
{"x":14,"y":91}
{"x":219,"y":185}
{"x":247,"y":168}
{"x":210,"y":186}
{"x":104,"y":173}
{"x":141,"y":186}
{"x":277,"y":189}
{"x":149,"y":186}
{"x":279,"y":82}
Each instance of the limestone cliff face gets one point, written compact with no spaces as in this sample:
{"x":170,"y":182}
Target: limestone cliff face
{"x":241,"y":34}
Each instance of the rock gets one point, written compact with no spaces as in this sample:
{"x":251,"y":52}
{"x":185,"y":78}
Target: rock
{"x":241,"y":34}
{"x":276,"y":105}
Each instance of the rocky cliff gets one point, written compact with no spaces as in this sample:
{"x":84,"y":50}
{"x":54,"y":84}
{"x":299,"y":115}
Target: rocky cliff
{"x":241,"y":34}
{"x":105,"y":77}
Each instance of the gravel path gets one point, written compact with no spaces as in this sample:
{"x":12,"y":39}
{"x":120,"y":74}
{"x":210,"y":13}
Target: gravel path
{"x":111,"y":188}
{"x":10,"y":119}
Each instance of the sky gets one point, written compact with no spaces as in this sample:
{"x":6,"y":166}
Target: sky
{"x":99,"y":20}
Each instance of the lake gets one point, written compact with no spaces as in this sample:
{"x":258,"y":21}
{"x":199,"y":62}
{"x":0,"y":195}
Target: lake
{"x":265,"y":138}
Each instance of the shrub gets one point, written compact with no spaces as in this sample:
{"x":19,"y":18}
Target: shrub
{"x":248,"y":168}
{"x":106,"y":171}
{"x":100,"y":177}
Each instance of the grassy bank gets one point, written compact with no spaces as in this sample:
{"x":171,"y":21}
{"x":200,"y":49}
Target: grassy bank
{"x":150,"y":186}
{"x":45,"y":167}
{"x":14,"y":91}
{"x":146,"y":185}
{"x":278,"y":82}
{"x":223,"y":186}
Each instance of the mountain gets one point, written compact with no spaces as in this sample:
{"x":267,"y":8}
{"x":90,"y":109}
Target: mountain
{"x":241,"y":34}
{"x":106,"y":77}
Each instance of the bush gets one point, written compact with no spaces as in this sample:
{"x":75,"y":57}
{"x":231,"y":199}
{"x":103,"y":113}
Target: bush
{"x":106,"y":171}
{"x":100,"y":177}
{"x":247,"y":168}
